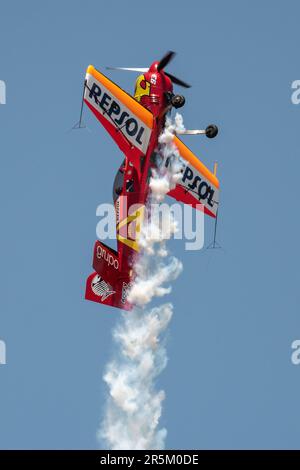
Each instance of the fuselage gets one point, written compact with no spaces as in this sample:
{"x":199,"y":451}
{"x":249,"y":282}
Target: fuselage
{"x":153,"y":90}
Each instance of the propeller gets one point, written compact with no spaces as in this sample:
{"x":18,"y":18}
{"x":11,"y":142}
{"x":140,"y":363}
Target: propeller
{"x":160,"y":66}
{"x":165,"y":60}
{"x":130,"y":69}
{"x":177,"y":81}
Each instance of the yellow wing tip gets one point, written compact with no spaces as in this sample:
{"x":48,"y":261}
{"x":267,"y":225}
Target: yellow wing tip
{"x":90,"y":69}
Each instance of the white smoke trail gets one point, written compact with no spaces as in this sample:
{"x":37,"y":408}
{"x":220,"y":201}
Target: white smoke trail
{"x":134,"y":407}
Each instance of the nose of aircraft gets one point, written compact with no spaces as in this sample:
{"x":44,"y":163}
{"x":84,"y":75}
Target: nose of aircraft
{"x":153,"y":67}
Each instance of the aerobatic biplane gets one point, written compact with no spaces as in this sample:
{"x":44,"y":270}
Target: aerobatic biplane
{"x":135,"y":124}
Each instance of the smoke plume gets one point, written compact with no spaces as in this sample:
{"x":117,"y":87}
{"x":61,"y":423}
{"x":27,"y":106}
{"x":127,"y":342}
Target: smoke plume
{"x":134,"y":406}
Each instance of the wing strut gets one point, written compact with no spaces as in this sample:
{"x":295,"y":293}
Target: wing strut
{"x":80,"y":124}
{"x":214,"y":244}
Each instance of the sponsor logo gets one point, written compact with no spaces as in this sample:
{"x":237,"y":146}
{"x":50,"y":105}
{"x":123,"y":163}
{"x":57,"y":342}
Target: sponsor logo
{"x":117,"y":208}
{"x":129,"y":229}
{"x":102,"y":253}
{"x":101,"y":288}
{"x":153,"y":79}
{"x":192,"y":180}
{"x":125,"y":290}
{"x":116,"y":113}
{"x":142,"y":88}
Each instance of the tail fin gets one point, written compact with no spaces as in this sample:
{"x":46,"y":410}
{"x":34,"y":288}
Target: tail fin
{"x":107,"y":284}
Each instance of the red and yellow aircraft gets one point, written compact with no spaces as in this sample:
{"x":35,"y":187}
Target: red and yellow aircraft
{"x":135,"y":124}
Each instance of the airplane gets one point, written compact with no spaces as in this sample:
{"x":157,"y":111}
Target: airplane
{"x":135,"y":123}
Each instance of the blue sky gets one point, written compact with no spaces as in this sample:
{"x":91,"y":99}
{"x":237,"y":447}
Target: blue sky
{"x":230,"y":382}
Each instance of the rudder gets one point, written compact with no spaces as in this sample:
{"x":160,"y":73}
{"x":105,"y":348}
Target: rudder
{"x":107,"y":284}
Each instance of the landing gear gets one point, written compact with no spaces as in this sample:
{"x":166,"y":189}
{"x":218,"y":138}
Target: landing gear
{"x":177,"y":101}
{"x":211,"y":131}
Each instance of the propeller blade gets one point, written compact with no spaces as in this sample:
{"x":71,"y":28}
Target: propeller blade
{"x":130,"y":69}
{"x":177,"y":81}
{"x":165,"y":60}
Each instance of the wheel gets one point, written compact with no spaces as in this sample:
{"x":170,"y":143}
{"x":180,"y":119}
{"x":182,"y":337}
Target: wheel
{"x":211,"y":131}
{"x":178,"y":101}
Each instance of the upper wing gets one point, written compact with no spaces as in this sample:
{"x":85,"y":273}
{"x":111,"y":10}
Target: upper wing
{"x":198,"y":185}
{"x":127,"y":121}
